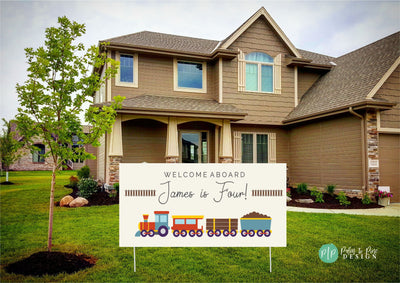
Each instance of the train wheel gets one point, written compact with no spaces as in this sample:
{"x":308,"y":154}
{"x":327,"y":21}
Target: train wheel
{"x":163,"y":231}
{"x":151,"y":233}
{"x":199,"y":233}
{"x":267,"y":233}
{"x":192,"y":233}
{"x":176,"y":233}
{"x":226,"y":233}
{"x":210,"y":233}
{"x":260,"y":233}
{"x":143,"y":233}
{"x":233,"y":233}
{"x":217,"y":233}
{"x":252,"y":233}
{"x":183,"y":233}
{"x":244,"y":233}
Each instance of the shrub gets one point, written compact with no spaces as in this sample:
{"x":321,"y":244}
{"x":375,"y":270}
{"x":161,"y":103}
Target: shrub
{"x":288,"y":192}
{"x":84,"y":172}
{"x":319,"y":197}
{"x":116,"y":187}
{"x":342,"y":199}
{"x":73,"y":181}
{"x":302,"y":188}
{"x":87,"y":187}
{"x":330,"y":189}
{"x":366,"y":199}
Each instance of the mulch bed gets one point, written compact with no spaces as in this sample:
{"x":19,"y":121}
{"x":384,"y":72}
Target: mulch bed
{"x":51,"y":263}
{"x":330,"y":202}
{"x":98,"y":198}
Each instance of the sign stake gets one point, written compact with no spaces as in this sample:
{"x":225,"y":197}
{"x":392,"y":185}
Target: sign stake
{"x":134,"y":259}
{"x":270,"y":262}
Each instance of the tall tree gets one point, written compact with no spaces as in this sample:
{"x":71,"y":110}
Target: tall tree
{"x":9,"y":146}
{"x":61,"y":78}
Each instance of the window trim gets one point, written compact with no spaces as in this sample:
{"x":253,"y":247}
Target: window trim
{"x":189,"y":89}
{"x":135,"y":70}
{"x":195,"y":132}
{"x":237,"y":145}
{"x":259,"y":75}
{"x":40,"y":156}
{"x":255,"y":144}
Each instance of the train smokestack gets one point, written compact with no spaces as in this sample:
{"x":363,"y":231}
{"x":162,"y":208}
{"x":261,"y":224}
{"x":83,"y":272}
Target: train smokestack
{"x":145,"y":217}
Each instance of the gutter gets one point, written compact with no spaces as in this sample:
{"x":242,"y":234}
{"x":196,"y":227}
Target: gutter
{"x":363,"y":146}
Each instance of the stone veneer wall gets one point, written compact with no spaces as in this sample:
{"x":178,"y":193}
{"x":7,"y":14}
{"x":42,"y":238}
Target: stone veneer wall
{"x":25,"y":163}
{"x":114,"y":169}
{"x":372,"y":151}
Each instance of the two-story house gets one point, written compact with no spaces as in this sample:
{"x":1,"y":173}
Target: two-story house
{"x":255,"y":98}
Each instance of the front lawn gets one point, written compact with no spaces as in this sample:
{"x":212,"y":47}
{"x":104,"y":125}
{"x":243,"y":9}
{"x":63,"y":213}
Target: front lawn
{"x":94,"y":231}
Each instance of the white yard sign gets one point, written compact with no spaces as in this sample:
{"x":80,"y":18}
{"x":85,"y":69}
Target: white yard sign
{"x":202,"y":205}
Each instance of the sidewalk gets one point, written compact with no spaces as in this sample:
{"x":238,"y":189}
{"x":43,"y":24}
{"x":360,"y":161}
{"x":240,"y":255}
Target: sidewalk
{"x":392,"y":210}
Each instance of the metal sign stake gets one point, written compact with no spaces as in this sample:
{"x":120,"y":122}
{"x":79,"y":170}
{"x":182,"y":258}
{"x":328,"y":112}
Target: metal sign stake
{"x":270,"y":262}
{"x":134,"y":259}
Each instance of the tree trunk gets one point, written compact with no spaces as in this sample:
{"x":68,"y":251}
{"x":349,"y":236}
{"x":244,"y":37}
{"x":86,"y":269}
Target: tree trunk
{"x":53,"y":185}
{"x":7,"y":176}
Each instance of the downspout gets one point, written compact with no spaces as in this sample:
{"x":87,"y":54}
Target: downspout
{"x":362,"y":146}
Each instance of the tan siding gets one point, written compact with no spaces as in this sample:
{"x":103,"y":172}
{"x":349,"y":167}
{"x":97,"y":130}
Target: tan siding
{"x":306,"y":79}
{"x":390,"y":91}
{"x":282,"y":139}
{"x":156,"y":77}
{"x":327,"y":152}
{"x":143,"y":141}
{"x":92,"y":163}
{"x":101,"y":157}
{"x":275,"y":107}
{"x":389,"y":163}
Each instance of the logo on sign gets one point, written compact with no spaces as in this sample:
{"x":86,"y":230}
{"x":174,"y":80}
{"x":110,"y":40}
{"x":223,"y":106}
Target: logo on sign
{"x":328,"y":253}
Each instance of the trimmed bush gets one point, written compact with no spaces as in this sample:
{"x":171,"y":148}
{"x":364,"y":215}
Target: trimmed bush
{"x":84,"y":172}
{"x":319,"y":197}
{"x":366,"y":199}
{"x":116,"y":187}
{"x":343,"y":199}
{"x":73,"y":181}
{"x":330,"y":189}
{"x":87,"y":187}
{"x":302,"y":188}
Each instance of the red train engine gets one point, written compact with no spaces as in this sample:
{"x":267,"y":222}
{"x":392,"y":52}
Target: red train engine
{"x":160,"y":226}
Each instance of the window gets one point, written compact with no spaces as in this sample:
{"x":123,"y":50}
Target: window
{"x":38,"y":154}
{"x":76,"y":146}
{"x":259,"y":72}
{"x":190,"y":76}
{"x":128,"y":70}
{"x":254,"y":148}
{"x":194,"y":147}
{"x":163,"y":218}
{"x":191,"y":221}
{"x":180,"y":221}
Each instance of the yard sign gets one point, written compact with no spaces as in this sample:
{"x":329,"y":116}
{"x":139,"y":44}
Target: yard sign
{"x":202,"y":205}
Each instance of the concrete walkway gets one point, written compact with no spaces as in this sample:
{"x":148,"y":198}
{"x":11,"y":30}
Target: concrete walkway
{"x":392,"y":210}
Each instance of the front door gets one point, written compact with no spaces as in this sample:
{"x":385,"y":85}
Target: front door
{"x":194,"y":146}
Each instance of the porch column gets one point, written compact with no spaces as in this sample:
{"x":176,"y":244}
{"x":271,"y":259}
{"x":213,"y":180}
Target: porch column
{"x":225,"y":153}
{"x":172,"y":148}
{"x":115,"y":152}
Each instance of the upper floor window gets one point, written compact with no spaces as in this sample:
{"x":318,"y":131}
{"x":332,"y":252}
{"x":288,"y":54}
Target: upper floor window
{"x":38,"y":153}
{"x":190,"y":76}
{"x":259,"y":72}
{"x":128,"y":70}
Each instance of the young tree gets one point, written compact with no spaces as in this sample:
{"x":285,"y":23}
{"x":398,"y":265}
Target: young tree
{"x":9,"y":146}
{"x":61,"y":78}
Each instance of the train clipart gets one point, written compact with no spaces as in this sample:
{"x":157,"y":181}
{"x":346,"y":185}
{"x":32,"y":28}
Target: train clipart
{"x":182,"y":225}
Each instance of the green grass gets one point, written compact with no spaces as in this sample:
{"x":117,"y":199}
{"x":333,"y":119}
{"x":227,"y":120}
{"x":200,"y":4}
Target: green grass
{"x":94,"y":231}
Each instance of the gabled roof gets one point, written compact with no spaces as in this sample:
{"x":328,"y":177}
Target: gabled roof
{"x":351,"y":81}
{"x":166,"y":41}
{"x":317,"y":58}
{"x":260,"y":13}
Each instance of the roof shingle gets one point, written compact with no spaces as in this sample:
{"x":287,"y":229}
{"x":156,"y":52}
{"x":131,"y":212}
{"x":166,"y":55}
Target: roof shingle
{"x":350,"y":81}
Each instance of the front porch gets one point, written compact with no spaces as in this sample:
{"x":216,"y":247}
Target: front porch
{"x":182,"y":130}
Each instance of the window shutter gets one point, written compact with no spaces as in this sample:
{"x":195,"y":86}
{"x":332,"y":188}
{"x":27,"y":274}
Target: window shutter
{"x":241,"y":71}
{"x":277,"y":75}
{"x":237,"y":147}
{"x":272,"y":148}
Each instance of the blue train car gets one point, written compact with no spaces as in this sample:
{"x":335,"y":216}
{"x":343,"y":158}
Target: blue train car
{"x":255,"y":225}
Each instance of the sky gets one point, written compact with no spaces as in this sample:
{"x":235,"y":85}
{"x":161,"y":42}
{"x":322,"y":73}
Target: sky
{"x":329,"y":27}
